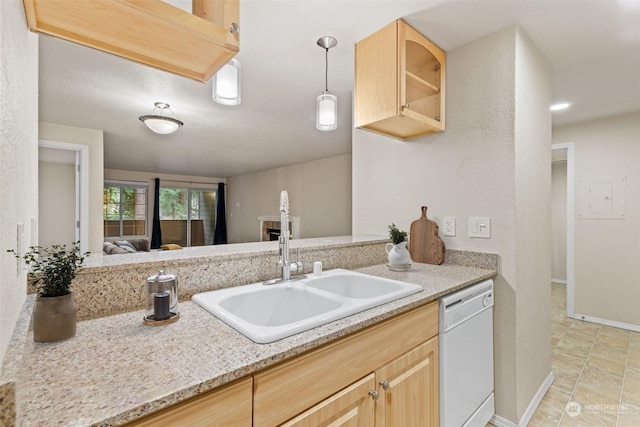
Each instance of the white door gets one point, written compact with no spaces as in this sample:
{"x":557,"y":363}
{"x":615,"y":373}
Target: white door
{"x":62,"y":194}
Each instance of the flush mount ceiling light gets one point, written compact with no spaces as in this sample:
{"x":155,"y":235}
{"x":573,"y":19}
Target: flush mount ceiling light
{"x":158,"y":122}
{"x":226,"y":84}
{"x":560,"y":106}
{"x":327,"y":103}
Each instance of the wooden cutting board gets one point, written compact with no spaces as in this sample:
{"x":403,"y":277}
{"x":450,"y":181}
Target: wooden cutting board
{"x":424,"y":243}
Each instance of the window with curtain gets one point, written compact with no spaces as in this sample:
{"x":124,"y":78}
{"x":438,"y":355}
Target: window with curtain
{"x":124,"y":209}
{"x":187,"y":215}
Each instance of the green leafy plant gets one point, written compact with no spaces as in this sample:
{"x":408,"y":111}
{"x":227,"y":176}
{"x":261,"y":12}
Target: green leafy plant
{"x":53,"y":268}
{"x":396,"y":235}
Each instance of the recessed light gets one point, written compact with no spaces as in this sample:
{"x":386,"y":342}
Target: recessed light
{"x":560,"y":106}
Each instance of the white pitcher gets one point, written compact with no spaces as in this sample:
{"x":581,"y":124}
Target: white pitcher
{"x":398,"y":254}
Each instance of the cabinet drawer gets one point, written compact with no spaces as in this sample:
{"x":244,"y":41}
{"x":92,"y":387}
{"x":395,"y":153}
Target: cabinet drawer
{"x":288,"y":389}
{"x":228,"y":406}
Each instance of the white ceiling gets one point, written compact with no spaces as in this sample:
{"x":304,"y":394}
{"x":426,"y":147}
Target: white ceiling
{"x":592,"y":47}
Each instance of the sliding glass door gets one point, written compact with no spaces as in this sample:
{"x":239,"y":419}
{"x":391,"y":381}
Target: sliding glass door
{"x":188,"y":216}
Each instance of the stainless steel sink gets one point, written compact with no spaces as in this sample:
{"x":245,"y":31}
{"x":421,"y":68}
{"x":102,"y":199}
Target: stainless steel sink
{"x":266,"y":313}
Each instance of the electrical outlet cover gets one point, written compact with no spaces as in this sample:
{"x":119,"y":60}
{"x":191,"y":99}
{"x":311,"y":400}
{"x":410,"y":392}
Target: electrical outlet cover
{"x":449,"y":228}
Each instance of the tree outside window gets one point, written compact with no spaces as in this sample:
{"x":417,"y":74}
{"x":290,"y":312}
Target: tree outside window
{"x":124,"y":209}
{"x":187,"y":216}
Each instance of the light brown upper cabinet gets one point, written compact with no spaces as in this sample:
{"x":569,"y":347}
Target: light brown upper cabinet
{"x":399,"y":84}
{"x":151,"y":32}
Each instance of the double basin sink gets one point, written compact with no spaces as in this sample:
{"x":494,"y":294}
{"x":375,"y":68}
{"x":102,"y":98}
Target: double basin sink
{"x":266,"y":313}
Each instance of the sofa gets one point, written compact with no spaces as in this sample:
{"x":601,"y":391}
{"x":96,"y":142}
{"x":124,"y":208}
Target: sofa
{"x":129,"y":246}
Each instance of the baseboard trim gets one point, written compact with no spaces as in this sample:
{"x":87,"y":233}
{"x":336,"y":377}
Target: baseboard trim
{"x":564,"y":282}
{"x":606,"y":322}
{"x":528,"y":414}
{"x":501,"y":422}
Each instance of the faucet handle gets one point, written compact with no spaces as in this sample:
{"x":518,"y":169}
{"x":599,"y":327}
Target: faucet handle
{"x":297,"y":265}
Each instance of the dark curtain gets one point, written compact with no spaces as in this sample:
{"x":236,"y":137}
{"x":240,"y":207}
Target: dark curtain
{"x":220,"y":236}
{"x":156,"y":235}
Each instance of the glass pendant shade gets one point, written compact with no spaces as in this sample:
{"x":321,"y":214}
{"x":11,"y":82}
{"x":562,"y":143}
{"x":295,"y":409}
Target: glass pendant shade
{"x":327,"y":111}
{"x":226,"y":84}
{"x":327,"y":103}
{"x":161,"y":124}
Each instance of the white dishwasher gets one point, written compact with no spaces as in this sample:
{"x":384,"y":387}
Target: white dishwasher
{"x":466,"y":357}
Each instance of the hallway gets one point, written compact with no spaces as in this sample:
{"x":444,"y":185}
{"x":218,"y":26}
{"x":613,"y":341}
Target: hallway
{"x":597,"y":373}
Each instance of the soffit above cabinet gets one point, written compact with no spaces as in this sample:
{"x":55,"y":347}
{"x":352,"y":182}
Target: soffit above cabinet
{"x":150,"y":32}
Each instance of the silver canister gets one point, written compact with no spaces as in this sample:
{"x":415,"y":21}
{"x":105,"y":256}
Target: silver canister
{"x":162,"y":299}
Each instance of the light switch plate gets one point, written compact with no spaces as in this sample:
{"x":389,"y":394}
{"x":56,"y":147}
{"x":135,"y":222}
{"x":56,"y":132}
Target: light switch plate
{"x":449,"y":226}
{"x":480,"y":227}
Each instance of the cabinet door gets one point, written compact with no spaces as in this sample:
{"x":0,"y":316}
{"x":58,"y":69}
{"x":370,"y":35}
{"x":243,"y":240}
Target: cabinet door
{"x":351,"y":407}
{"x":421,"y":72}
{"x":408,"y":389}
{"x":376,"y":85}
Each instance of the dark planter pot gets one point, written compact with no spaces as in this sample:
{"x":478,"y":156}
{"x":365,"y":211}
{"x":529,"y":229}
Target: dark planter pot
{"x":54,"y":318}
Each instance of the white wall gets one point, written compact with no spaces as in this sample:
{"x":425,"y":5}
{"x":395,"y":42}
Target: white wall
{"x":607,"y":251}
{"x":477,"y":167}
{"x":56,"y":203}
{"x":532,"y":281}
{"x":559,"y":221}
{"x":19,"y":154}
{"x":94,"y":140}
{"x":319,"y":194}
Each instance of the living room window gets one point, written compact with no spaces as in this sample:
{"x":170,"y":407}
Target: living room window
{"x":187,"y":216}
{"x":124,"y":209}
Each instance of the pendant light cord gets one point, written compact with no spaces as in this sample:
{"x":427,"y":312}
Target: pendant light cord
{"x":326,"y":70}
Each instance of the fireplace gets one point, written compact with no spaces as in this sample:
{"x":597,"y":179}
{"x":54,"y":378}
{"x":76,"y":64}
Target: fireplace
{"x":270,"y":227}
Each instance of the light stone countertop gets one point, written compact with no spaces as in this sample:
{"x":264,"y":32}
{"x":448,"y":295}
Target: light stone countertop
{"x":116,"y":369}
{"x":226,"y":251}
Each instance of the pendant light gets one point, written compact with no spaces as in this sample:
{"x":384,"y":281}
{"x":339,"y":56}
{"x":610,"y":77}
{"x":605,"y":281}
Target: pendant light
{"x":226,"y":84}
{"x":158,"y":122}
{"x":327,"y":103}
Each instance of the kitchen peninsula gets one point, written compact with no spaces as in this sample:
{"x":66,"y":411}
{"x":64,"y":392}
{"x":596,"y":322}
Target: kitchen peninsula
{"x":117,"y":370}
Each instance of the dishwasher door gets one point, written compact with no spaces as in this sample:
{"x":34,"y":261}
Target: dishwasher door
{"x":466,"y":356}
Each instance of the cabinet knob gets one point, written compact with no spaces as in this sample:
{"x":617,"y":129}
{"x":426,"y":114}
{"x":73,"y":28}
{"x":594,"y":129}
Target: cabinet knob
{"x":385,"y":385}
{"x":235,"y":28}
{"x":374,"y":394}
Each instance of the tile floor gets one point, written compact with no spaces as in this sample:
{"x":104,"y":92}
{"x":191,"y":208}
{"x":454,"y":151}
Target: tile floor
{"x":597,"y":373}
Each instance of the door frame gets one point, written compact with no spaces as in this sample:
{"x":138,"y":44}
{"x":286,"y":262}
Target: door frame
{"x":570,"y":147}
{"x":82,"y":186}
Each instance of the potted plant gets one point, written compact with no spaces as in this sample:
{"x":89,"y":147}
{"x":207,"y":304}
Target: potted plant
{"x":51,"y":271}
{"x":397,"y":252}
{"x":397,"y":236}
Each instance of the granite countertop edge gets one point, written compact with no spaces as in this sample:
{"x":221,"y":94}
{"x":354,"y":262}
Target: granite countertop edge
{"x":97,"y":263}
{"x":239,"y":356}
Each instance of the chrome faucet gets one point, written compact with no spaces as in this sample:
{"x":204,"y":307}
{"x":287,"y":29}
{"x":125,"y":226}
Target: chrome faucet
{"x":286,"y":266}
